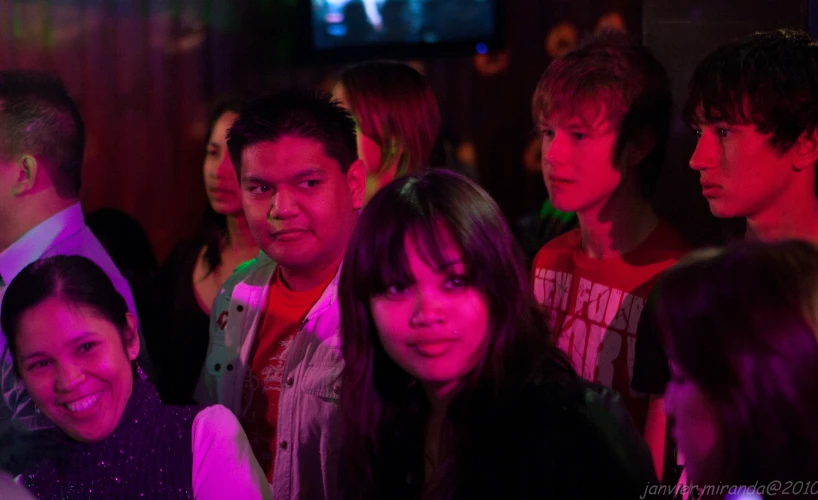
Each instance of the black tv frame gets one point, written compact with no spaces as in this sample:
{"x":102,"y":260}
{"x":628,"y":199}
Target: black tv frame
{"x":399,"y":51}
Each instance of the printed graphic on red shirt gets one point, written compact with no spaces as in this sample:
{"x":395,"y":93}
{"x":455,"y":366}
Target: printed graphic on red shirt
{"x":283,"y":316}
{"x":599,"y":327}
{"x":262,"y":388}
{"x":594,"y":306}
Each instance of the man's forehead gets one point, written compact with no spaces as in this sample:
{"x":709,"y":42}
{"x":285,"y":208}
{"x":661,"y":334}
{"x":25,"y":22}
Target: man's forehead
{"x":578,"y":116}
{"x":284,"y":171}
{"x":736,"y":111}
{"x":283,"y":159}
{"x":286,"y":149}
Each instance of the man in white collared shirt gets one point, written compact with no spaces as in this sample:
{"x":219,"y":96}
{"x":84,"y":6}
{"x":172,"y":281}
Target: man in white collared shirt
{"x":42,"y":141}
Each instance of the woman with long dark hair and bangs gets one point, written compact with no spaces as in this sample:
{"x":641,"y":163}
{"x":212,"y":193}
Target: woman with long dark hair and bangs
{"x":452,"y":388}
{"x":740,"y":330}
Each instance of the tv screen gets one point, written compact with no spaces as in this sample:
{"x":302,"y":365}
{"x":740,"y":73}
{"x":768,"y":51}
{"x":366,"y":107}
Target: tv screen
{"x":368,"y":24}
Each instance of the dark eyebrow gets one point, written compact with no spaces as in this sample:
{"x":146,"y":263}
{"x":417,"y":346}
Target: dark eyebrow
{"x":254,"y":179}
{"x":36,"y":354}
{"x":310,"y":172}
{"x":297,"y":177}
{"x":449,"y":263}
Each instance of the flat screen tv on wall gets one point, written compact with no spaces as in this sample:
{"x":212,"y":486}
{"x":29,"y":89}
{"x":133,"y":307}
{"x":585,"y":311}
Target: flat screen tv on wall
{"x":358,"y":29}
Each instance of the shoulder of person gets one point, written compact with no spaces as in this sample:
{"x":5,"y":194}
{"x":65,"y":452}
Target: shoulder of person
{"x":666,"y":239}
{"x":254,"y":272}
{"x":10,"y":489}
{"x":217,"y":421}
{"x":598,"y":419}
{"x":566,"y":242}
{"x":575,"y":440}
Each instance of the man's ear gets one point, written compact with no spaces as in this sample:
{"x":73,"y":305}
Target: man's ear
{"x":356,"y":180}
{"x":131,"y":337}
{"x":806,"y":151}
{"x":27,"y":169}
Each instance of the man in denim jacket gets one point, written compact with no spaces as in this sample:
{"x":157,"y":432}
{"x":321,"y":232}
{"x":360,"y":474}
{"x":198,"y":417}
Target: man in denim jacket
{"x":274,"y":357}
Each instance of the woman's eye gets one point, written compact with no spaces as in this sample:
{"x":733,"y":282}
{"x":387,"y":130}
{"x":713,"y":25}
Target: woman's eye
{"x":257,"y":189}
{"x":395,"y":290}
{"x":455,"y":283}
{"x":38,"y":364}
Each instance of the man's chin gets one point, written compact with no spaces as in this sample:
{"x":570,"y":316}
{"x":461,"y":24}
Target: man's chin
{"x":722,"y":211}
{"x":287,"y":261}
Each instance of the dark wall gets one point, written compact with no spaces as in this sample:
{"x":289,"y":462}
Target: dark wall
{"x":813,"y":18}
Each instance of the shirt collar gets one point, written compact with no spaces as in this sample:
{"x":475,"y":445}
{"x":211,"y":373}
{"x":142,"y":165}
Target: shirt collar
{"x":32,"y":245}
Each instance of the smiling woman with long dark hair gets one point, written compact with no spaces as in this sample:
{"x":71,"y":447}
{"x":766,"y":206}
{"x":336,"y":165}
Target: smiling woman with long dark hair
{"x":74,"y":343}
{"x":452,"y":388}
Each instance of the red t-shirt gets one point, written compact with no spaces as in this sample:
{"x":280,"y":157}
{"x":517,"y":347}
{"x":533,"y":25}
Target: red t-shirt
{"x":594,"y":305}
{"x":283,"y":313}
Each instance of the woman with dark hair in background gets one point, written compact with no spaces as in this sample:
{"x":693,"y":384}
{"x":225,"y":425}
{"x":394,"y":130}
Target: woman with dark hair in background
{"x":189,"y":279}
{"x":740,"y":329}
{"x":397,"y":117}
{"x":452,"y":388}
{"x":73,"y":343}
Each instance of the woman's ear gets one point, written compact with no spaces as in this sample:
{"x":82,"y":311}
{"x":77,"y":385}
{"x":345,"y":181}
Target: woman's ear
{"x":131,"y":337}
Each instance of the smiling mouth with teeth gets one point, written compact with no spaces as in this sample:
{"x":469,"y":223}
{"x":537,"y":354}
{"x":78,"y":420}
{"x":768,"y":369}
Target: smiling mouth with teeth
{"x":84,"y":403}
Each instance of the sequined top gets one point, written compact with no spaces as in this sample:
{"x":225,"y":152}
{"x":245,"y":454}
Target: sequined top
{"x":148,"y":456}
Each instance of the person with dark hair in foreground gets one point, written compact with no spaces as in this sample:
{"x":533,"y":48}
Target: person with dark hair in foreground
{"x":452,"y":387}
{"x":74,"y":342}
{"x":741,"y":330}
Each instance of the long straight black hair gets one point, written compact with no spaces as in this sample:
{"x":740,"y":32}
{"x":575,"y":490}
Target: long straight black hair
{"x":212,"y":229}
{"x":383,"y":410}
